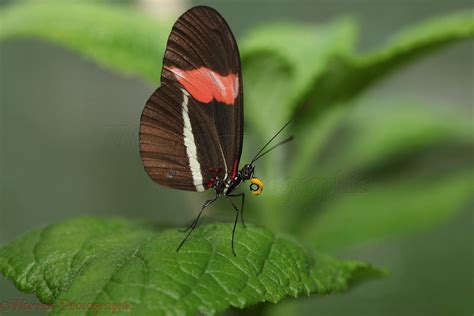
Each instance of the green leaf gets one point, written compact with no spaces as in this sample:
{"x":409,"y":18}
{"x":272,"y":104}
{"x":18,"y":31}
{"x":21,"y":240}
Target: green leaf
{"x":280,"y":61}
{"x":116,"y":37}
{"x":321,"y":68}
{"x":375,"y":132}
{"x":347,"y":75}
{"x":387,"y":209}
{"x":98,"y":261}
{"x":385,"y":168}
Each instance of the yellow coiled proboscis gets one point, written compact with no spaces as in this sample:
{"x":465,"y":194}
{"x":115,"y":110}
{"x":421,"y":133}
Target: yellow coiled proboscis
{"x":256,"y":186}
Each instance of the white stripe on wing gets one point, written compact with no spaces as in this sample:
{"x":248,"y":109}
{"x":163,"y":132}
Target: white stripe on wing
{"x":191,"y":151}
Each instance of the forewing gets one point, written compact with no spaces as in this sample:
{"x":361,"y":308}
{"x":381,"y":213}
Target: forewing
{"x":202,"y":56}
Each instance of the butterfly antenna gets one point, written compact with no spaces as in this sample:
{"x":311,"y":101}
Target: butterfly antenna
{"x":259,"y":154}
{"x":273,"y":147}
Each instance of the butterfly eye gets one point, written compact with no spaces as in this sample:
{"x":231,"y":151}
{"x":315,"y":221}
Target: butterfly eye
{"x":256,"y":186}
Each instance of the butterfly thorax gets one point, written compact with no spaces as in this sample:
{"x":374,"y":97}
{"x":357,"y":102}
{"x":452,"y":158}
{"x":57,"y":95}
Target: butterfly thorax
{"x":228,"y":185}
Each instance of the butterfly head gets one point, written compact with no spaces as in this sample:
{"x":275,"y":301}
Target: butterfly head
{"x":247,"y":172}
{"x":256,"y":185}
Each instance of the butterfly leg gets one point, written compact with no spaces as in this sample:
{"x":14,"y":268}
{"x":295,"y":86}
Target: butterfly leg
{"x":237,"y":211}
{"x":183,"y":230}
{"x":194,"y":222}
{"x":241,"y":207}
{"x":193,"y":225}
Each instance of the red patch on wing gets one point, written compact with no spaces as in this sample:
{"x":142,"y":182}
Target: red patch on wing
{"x":205,"y":85}
{"x":234,"y":171}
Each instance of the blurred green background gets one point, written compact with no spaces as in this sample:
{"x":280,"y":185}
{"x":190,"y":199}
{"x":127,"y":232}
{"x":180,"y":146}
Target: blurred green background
{"x":69,"y":147}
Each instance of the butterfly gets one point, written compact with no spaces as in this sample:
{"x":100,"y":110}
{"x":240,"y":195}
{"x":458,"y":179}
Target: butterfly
{"x":191,"y":129}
